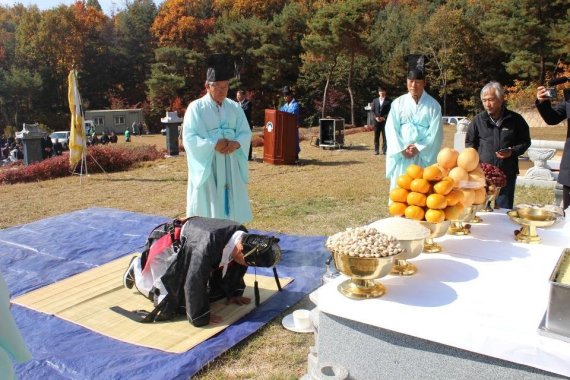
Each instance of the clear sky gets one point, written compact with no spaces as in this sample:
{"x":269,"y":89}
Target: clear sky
{"x":107,"y":5}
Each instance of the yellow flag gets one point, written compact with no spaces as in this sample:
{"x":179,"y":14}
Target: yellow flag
{"x":77,"y":133}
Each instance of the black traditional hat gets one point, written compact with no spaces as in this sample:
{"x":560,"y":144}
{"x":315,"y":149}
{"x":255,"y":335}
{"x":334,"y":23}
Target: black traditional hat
{"x":286,"y":90}
{"x":260,"y":250}
{"x":220,"y":67}
{"x":416,"y":65}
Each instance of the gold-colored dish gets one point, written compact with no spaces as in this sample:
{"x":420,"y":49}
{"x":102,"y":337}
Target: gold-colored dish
{"x":475,"y":218}
{"x":457,"y":227}
{"x":529,"y":219}
{"x":412,"y":248}
{"x":437,"y":230}
{"x":363,"y":271}
{"x":491,"y":196}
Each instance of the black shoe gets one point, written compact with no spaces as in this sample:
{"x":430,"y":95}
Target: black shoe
{"x":376,"y":153}
{"x":129,"y":276}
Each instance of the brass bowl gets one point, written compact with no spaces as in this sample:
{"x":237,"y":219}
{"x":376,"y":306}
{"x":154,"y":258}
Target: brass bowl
{"x":475,"y":218}
{"x":412,"y":248}
{"x":362,"y":272}
{"x":437,"y":230}
{"x":529,"y":219}
{"x":457,"y":227}
{"x":491,"y":196}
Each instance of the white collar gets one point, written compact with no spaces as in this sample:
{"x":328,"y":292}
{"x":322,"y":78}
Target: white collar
{"x":228,"y":249}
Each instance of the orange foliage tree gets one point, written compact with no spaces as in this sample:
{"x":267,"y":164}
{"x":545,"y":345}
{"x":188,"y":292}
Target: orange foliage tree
{"x":183,"y":23}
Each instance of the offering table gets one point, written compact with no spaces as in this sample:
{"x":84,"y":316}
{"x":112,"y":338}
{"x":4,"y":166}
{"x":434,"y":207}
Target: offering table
{"x":470,"y":312}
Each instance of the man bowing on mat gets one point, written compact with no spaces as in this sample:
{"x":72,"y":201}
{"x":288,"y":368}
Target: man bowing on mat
{"x":196,"y":262}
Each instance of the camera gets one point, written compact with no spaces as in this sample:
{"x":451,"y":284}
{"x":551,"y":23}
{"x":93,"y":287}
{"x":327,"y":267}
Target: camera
{"x":551,"y":92}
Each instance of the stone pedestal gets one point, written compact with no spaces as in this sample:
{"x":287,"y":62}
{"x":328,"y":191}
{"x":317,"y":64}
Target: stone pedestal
{"x":171,"y":122}
{"x":459,"y":137}
{"x":31,"y":137}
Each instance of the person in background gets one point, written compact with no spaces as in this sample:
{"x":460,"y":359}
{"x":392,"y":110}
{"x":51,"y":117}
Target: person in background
{"x":104,"y":138}
{"x":380,"y":110}
{"x":57,"y":148}
{"x":216,"y":138}
{"x":113,"y":138}
{"x":500,"y":136}
{"x":246,"y":107}
{"x":551,"y":116}
{"x":292,"y":106}
{"x":47,"y":146}
{"x":414,"y":130}
{"x":127,"y":135}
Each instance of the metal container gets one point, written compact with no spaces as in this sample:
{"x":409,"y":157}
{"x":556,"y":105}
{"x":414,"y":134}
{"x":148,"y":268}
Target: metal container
{"x":558,"y":312}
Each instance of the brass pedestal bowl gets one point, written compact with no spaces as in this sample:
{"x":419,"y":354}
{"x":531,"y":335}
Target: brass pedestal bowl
{"x":412,"y":248}
{"x":437,"y":230}
{"x":491,"y":196}
{"x":363,"y":271}
{"x":531,"y":218}
{"x":475,"y":218}
{"x":458,"y":227}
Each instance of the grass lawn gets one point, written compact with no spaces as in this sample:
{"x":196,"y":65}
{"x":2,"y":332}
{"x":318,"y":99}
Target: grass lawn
{"x":334,"y":189}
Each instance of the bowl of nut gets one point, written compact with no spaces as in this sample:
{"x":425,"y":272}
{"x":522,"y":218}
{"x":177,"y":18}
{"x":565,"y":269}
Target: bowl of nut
{"x":411,"y":235}
{"x":364,"y":255}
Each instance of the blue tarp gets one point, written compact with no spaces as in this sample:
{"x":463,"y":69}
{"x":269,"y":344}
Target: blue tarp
{"x":43,"y":252}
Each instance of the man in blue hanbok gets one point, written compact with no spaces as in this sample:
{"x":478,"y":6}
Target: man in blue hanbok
{"x":216,"y":138}
{"x":413,"y":129}
{"x":292,"y":106}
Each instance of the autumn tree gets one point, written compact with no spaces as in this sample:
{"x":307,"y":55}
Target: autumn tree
{"x":342,"y":28}
{"x":528,"y":30}
{"x":453,"y":69}
{"x":173,"y":76}
{"x":135,"y":49}
{"x":184,"y":23}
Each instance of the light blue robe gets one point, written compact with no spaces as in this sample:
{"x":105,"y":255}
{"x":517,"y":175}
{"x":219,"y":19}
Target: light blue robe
{"x":411,"y":123}
{"x":11,"y":342}
{"x":217,"y":183}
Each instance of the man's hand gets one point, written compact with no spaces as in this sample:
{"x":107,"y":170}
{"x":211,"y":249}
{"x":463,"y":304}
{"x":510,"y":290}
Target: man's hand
{"x":542,"y":94}
{"x":410,"y":151}
{"x":222,"y":146}
{"x":239,"y":300}
{"x":225,"y":146}
{"x":504,"y":154}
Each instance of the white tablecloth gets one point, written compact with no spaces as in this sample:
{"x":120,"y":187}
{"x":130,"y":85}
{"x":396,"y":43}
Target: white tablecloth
{"x":484,"y":293}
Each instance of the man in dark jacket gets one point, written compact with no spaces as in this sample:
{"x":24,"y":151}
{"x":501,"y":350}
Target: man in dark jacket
{"x":500,"y":136}
{"x":380,"y":110}
{"x":554,"y":115}
{"x":209,"y":265}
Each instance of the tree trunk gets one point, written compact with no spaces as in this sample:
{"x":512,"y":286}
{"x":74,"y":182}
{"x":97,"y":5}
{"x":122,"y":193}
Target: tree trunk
{"x":329,"y":74}
{"x":350,"y":73}
{"x":542,"y":71}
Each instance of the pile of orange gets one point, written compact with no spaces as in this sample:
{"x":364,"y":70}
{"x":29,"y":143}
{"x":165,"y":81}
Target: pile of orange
{"x":440,"y":191}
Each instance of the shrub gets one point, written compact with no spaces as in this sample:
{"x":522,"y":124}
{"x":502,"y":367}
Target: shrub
{"x":111,"y":158}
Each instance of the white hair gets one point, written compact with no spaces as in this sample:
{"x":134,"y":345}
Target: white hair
{"x":495,"y":86}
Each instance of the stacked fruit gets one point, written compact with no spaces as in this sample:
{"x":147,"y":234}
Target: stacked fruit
{"x":440,"y":191}
{"x":494,"y":177}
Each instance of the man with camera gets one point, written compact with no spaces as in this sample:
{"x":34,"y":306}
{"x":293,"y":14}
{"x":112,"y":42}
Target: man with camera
{"x":500,"y":136}
{"x":554,"y":115}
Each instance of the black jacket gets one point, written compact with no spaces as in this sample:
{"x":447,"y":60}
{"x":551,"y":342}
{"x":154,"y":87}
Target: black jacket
{"x":554,"y":115}
{"x":383,"y":110}
{"x":487,"y":138}
{"x":194,"y":279}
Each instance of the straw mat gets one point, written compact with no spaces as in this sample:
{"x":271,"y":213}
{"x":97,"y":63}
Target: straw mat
{"x":97,"y":300}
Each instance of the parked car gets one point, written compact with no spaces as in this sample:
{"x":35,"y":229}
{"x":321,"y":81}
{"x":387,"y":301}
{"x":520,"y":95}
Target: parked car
{"x":452,"y":119}
{"x":62,"y":136}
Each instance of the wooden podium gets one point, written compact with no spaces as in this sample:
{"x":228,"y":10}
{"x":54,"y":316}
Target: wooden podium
{"x":279,"y":138}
